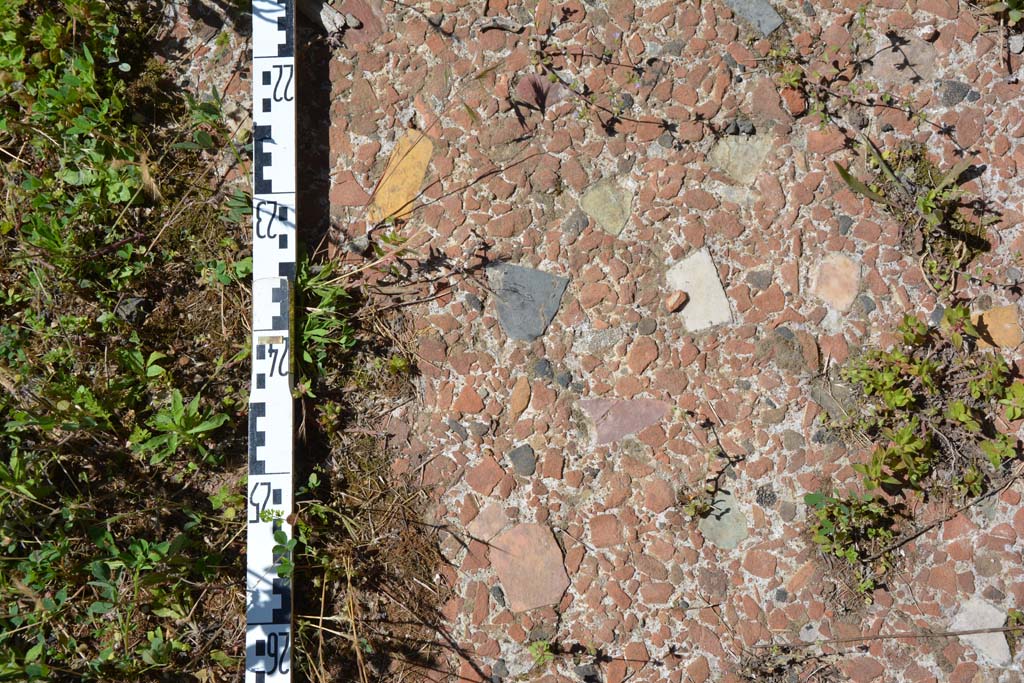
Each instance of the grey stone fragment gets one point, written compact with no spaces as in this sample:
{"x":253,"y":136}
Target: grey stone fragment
{"x":787,"y":511}
{"x":574,"y":223}
{"x":809,"y":9}
{"x":845,"y":223}
{"x":673,"y":48}
{"x":523,"y":460}
{"x":359,"y":245}
{"x":587,"y":672}
{"x":563,"y":379}
{"x":792,"y":440}
{"x":477,"y":428}
{"x":473,"y":301}
{"x":647,"y":326}
{"x":1016,"y":43}
{"x":666,"y":141}
{"x":498,"y":595}
{"x":836,"y":398}
{"x":609,"y":204}
{"x":757,"y":12}
{"x":936,"y":316}
{"x":726,"y":526}
{"x":527,"y":299}
{"x":458,"y":429}
{"x":542,"y":368}
{"x":781,"y":595}
{"x":953,"y":93}
{"x":809,"y":633}
{"x":866,"y":303}
{"x":1013,"y":274}
{"x":980,"y":614}
{"x":760,"y":279}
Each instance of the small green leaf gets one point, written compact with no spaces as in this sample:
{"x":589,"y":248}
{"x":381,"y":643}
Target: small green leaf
{"x":34,"y":653}
{"x":814,"y":499}
{"x":858,"y":186}
{"x":99,"y":608}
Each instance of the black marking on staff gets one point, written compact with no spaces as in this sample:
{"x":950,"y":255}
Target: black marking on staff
{"x":268,"y":211}
{"x":279,"y":295}
{"x":279,"y":360}
{"x":274,"y":648}
{"x":261,"y":351}
{"x":257,"y":439}
{"x":286,"y":269}
{"x":282,"y":588}
{"x":262,"y":160}
{"x":260,"y":505}
{"x":261,"y":676}
{"x":282,"y":80}
{"x":261,"y":380}
{"x":287,"y":24}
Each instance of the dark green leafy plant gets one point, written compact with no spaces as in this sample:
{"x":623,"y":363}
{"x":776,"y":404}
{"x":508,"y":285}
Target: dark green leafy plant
{"x":105,"y":554}
{"x":932,"y":401}
{"x":931,"y":405}
{"x":856,"y":529}
{"x":929,"y":206}
{"x":323,"y":324}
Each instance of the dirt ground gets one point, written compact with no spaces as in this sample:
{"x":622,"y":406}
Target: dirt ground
{"x":564,"y":402}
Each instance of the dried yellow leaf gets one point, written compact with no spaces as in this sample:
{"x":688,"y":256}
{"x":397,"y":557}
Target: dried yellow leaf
{"x":402,"y":178}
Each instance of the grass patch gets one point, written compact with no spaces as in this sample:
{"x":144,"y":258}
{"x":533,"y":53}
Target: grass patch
{"x":124,"y":380}
{"x":121,"y":364}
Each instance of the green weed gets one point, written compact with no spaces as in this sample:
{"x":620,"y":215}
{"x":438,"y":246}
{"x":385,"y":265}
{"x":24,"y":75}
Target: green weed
{"x":928,"y":205}
{"x":856,"y":529}
{"x":543,"y":652}
{"x":1011,"y":10}
{"x":324,"y":326}
{"x":932,"y":401}
{"x":931,"y":405}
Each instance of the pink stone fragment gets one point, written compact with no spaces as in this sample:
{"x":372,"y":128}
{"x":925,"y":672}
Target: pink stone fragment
{"x":618,"y":418}
{"x":529,"y":565}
